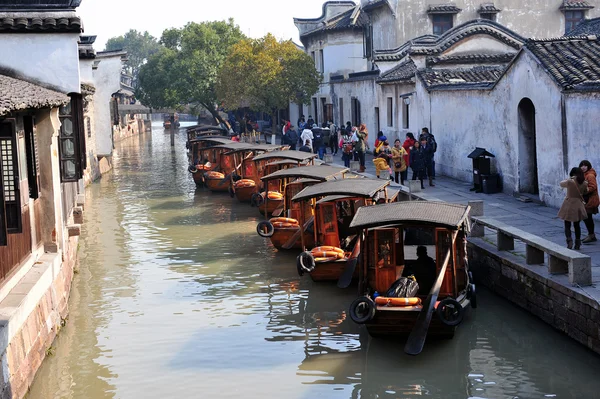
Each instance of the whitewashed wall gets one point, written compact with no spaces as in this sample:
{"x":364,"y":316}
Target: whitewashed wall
{"x":107,"y":80}
{"x":583,"y":116}
{"x":49,"y":59}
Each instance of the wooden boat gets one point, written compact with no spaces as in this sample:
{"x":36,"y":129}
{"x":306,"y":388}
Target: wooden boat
{"x":243,"y":187}
{"x":204,"y":157}
{"x":167,"y":122}
{"x":263,"y":164}
{"x":199,"y":131}
{"x":290,"y":182}
{"x":229,"y":164}
{"x":335,"y":248}
{"x":390,"y":235}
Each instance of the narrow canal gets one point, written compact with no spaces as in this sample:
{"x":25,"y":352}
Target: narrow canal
{"x":177,"y":297}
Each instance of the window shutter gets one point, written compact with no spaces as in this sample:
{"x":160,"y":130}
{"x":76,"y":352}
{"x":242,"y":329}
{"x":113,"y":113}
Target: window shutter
{"x":32,"y":156}
{"x":10,"y":176}
{"x":3,"y":232}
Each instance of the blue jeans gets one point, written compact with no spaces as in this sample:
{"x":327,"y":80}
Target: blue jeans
{"x":321,"y":151}
{"x":346,"y":158}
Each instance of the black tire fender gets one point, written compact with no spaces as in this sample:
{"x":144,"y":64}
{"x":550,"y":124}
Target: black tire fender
{"x":192,"y":169}
{"x":450,"y":305}
{"x":299,"y":267}
{"x":306,"y":261}
{"x":362,"y":310}
{"x":472,"y":295}
{"x":265,"y":224}
{"x":254,"y":201}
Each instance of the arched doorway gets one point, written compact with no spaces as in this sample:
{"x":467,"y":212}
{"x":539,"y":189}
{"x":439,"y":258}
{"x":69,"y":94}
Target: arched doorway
{"x":528,"y":176}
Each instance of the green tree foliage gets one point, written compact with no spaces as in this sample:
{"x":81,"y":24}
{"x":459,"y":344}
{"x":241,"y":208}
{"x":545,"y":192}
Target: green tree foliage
{"x":185,"y":71}
{"x":139,"y":46}
{"x":266,"y":75}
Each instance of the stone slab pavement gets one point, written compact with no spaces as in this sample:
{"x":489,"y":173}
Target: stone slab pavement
{"x":533,"y":218}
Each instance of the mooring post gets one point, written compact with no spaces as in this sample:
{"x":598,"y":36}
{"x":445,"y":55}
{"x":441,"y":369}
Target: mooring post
{"x":172,"y":130}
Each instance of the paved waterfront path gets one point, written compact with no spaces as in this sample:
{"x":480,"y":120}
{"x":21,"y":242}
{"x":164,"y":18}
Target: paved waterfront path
{"x":530,"y":217}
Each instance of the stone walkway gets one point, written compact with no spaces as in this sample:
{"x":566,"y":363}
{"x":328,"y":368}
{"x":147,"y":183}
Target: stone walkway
{"x":530,"y":217}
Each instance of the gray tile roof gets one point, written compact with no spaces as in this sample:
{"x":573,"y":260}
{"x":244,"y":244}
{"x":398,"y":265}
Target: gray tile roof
{"x":443,"y":9}
{"x":575,"y":5}
{"x":589,"y":27}
{"x":18,"y":95}
{"x":347,"y":187}
{"x":404,"y":71}
{"x":40,"y":4}
{"x":40,"y":23}
{"x":479,"y":77}
{"x":321,"y":172}
{"x":488,"y":8}
{"x":472,"y":59}
{"x":374,"y":4}
{"x":573,"y":63}
{"x":341,"y":21}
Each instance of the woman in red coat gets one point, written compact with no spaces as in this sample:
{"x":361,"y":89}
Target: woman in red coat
{"x":408,"y":143}
{"x":592,"y":201}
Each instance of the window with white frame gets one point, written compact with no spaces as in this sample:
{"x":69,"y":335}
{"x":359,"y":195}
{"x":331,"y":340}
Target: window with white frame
{"x":9,"y":179}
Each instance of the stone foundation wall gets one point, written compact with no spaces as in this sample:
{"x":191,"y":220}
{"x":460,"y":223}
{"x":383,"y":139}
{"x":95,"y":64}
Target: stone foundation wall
{"x":567,"y":309}
{"x":34,"y":336}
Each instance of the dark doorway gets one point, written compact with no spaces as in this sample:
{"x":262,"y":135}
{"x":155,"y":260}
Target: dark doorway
{"x":528,"y":173}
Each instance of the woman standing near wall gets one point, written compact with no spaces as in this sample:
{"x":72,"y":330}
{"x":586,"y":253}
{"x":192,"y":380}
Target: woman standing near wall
{"x":592,"y":201}
{"x":573,"y":209}
{"x":399,"y":156}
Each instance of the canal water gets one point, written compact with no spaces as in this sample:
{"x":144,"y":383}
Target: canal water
{"x":176,"y":296}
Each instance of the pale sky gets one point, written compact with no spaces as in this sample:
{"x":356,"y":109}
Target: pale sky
{"x":108,"y":18}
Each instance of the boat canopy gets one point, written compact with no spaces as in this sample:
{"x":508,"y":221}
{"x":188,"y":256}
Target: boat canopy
{"x":322,"y":172}
{"x":206,"y":128}
{"x":214,"y":139}
{"x":234,"y":146}
{"x":366,"y":188}
{"x":331,"y":198}
{"x":282,"y":162}
{"x":288,"y":154}
{"x":268,"y":147}
{"x":437,"y":214}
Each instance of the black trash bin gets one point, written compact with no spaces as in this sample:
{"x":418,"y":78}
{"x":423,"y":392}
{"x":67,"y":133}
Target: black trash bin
{"x":490,"y":183}
{"x":481,"y":167}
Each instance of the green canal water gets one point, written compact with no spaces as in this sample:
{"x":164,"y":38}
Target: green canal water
{"x":178,"y":297}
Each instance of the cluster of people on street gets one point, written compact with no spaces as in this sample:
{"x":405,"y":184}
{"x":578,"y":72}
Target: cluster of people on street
{"x":418,"y":155}
{"x":580,"y":204}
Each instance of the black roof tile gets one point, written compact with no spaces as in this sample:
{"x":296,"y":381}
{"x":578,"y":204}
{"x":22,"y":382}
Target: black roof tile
{"x":589,"y":27}
{"x":18,"y":95}
{"x":34,"y":23}
{"x":443,"y":9}
{"x":479,"y":77}
{"x":573,"y":63}
{"x":575,"y":5}
{"x":404,"y":71}
{"x":341,"y":21}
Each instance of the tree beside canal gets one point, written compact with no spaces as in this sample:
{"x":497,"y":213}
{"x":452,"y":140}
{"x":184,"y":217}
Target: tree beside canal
{"x":139,"y":46}
{"x":266,"y":75}
{"x":184,"y":72}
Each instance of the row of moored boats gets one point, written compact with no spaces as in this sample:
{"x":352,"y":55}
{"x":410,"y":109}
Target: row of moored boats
{"x":408,"y":258}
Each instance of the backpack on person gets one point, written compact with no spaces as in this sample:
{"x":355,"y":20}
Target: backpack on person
{"x":292,"y":136}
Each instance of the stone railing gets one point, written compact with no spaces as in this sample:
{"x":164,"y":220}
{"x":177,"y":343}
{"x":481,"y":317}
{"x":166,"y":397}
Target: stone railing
{"x":561,"y":260}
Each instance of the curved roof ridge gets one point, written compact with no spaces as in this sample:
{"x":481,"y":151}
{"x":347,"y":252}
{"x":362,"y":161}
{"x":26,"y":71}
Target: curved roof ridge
{"x":324,"y":12}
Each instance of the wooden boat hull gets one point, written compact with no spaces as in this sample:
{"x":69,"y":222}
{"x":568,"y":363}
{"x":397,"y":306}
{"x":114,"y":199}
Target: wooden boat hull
{"x":270,"y":206}
{"x":217,"y":185}
{"x":244,"y":194}
{"x":281,"y":235}
{"x":198,"y":178}
{"x":399,"y":323}
{"x":331,"y":270}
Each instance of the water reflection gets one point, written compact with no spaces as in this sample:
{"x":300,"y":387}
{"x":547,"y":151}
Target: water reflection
{"x":178,"y":297}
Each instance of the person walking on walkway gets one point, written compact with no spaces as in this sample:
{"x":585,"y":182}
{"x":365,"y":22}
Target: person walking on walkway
{"x":307,"y":135}
{"x":292,"y":137}
{"x":592,"y":201}
{"x":333,"y":137}
{"x":346,"y":146}
{"x":378,"y":142}
{"x":428,"y":151}
{"x":433,"y":145}
{"x":417,"y":163}
{"x":399,"y":161}
{"x":319,"y":141}
{"x":361,"y":145}
{"x":573,"y":209}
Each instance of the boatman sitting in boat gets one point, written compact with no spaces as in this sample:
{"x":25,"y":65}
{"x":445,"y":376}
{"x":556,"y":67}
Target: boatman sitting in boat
{"x":424,"y":270}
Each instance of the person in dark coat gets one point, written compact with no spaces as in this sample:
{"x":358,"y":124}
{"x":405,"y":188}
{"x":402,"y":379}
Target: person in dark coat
{"x":573,"y":209}
{"x":417,"y":162}
{"x":425,"y":270}
{"x":306,"y":147}
{"x":292,"y":137}
{"x":428,"y":150}
{"x":310,"y":122}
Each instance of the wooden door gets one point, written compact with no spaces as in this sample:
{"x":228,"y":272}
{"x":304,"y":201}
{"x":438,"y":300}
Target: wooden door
{"x":326,"y":226}
{"x":443,"y":244}
{"x":384,"y":258}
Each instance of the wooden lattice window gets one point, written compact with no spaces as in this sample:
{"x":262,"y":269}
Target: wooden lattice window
{"x":72,"y":140}
{"x":10,"y":177}
{"x":31,"y":148}
{"x":441,"y":23}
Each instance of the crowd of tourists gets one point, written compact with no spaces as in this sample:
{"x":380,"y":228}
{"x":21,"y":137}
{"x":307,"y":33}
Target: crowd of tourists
{"x":352,"y":142}
{"x":580,"y":204}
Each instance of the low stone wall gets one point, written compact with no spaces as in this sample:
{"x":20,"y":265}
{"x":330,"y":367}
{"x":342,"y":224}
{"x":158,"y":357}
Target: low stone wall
{"x":567,"y":309}
{"x":33,"y":314}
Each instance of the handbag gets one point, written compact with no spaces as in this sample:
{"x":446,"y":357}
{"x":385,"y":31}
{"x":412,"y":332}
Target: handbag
{"x":397,"y":165}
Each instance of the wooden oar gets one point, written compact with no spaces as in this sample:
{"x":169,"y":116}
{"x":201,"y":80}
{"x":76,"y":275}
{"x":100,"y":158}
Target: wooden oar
{"x":293,"y":239}
{"x":277,"y":212}
{"x":416,"y":339}
{"x":346,"y":278}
